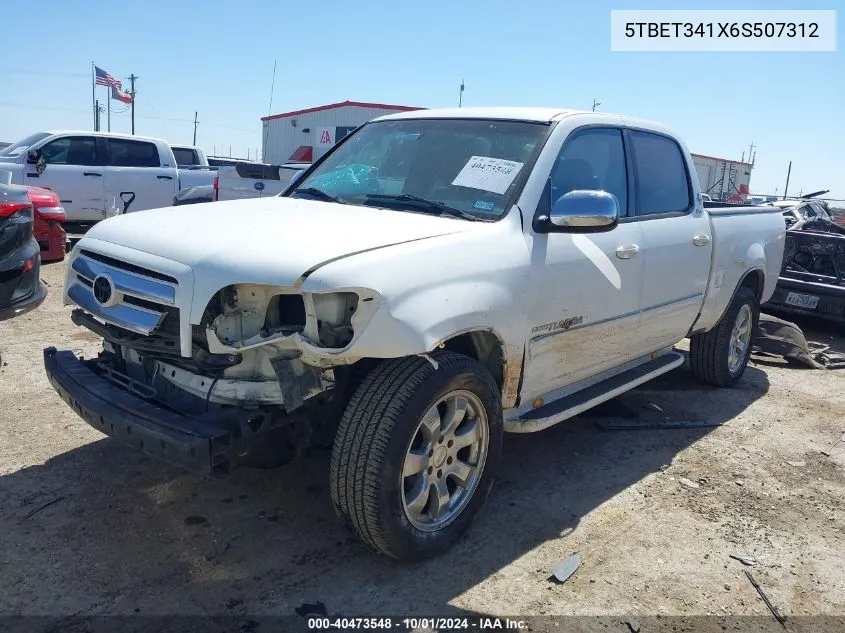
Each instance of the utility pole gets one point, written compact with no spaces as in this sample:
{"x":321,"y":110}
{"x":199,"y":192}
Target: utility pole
{"x":788,"y":172}
{"x":596,"y":104}
{"x":132,"y":79}
{"x":96,"y":115}
{"x":108,"y":115}
{"x":196,"y":123}
{"x":461,"y":94}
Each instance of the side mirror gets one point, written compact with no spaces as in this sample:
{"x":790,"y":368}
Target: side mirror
{"x":36,"y":157}
{"x":583,"y":211}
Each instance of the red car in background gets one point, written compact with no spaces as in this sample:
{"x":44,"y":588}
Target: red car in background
{"x":47,"y":228}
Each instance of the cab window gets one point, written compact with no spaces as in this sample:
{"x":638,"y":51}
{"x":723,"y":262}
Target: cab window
{"x":71,"y":150}
{"x":660,"y":174}
{"x":591,"y":159}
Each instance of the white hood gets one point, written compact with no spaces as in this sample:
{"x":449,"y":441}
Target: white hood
{"x":269,"y":240}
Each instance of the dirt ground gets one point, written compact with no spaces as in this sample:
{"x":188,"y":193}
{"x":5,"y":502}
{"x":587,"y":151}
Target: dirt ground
{"x":654,"y":514}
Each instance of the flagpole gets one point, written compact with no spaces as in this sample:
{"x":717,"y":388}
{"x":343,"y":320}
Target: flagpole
{"x":93,"y":96}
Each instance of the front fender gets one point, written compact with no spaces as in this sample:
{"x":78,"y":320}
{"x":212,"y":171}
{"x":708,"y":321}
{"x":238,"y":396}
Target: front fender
{"x":417,"y":321}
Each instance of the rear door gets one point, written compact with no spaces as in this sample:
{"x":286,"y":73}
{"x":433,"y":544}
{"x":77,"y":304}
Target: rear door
{"x":75,"y":171}
{"x":676,"y":237}
{"x":135,"y":177}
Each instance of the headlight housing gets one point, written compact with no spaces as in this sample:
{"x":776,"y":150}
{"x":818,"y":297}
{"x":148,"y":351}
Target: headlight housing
{"x":246,"y":315}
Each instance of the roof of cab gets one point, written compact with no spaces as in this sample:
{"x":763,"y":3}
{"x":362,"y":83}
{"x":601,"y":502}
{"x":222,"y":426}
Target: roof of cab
{"x":540,"y":115}
{"x":129,"y":137}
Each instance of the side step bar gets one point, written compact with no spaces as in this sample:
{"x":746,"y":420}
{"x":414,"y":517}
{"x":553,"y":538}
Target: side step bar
{"x":578,"y":402}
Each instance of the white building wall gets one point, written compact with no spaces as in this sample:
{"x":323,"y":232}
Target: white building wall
{"x":284,"y":135}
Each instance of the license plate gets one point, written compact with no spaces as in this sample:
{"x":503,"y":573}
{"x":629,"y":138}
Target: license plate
{"x":802,"y":301}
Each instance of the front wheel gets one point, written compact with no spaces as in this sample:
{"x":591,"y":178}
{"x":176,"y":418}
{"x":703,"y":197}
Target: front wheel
{"x":719,"y":357}
{"x":416,"y":452}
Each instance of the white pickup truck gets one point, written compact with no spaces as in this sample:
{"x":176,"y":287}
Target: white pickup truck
{"x":100,"y":174}
{"x":438,"y":278}
{"x":254,"y":180}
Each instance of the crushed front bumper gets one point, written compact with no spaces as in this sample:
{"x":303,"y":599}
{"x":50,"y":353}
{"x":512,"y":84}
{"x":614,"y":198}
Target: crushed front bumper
{"x":210,"y":443}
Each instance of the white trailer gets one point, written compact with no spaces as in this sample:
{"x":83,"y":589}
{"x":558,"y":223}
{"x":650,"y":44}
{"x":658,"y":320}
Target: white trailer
{"x":721,"y":177}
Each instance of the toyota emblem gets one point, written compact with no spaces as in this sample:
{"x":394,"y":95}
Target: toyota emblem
{"x":103,"y":290}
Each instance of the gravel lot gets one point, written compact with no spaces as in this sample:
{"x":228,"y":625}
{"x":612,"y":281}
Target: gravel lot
{"x":654,"y":514}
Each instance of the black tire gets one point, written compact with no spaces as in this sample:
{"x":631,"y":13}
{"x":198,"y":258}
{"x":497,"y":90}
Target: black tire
{"x":709,"y":351}
{"x":377,"y":427}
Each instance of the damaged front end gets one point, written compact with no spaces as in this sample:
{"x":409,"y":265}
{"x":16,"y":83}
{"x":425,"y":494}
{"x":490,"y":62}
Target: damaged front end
{"x":263,"y":368}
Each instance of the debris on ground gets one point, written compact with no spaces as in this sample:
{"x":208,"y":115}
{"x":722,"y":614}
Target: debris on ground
{"x":633,"y":626}
{"x":797,"y":464}
{"x":739,"y":482}
{"x":825,"y":357}
{"x":41,"y":507}
{"x":745,"y":560}
{"x":565,"y":568}
{"x":778,"y":616}
{"x":655,"y":407}
{"x":778,"y":337}
{"x":688,"y":483}
{"x":828,"y":451}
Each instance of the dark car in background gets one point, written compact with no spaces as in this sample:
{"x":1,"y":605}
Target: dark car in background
{"x":21,"y":288}
{"x":812,"y":280}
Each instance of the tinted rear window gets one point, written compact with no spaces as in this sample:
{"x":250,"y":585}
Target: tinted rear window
{"x":126,"y":153}
{"x":185,"y":156}
{"x":661,"y":174}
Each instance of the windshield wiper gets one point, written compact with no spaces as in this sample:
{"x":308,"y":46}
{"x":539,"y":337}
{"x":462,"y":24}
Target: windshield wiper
{"x":424,"y":204}
{"x":322,"y":195}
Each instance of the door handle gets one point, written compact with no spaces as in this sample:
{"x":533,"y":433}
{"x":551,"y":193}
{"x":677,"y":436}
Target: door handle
{"x":165,"y":177}
{"x":91,"y":173}
{"x":701,"y":240}
{"x":627,"y":251}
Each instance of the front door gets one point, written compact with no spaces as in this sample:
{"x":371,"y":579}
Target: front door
{"x":584,"y":299}
{"x":135,"y":179}
{"x":75,"y":171}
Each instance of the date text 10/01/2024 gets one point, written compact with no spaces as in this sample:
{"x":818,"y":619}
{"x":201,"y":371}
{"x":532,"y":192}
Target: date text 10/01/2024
{"x":411,"y":624}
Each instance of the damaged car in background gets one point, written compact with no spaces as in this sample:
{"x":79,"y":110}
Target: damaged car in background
{"x":812,"y":279}
{"x":437,"y":278}
{"x":21,"y":288}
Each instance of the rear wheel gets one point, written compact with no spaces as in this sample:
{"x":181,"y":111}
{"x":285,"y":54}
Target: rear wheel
{"x":416,"y":452}
{"x":719,"y":357}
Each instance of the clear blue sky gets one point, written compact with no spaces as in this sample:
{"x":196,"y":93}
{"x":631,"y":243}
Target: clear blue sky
{"x":216,"y":57}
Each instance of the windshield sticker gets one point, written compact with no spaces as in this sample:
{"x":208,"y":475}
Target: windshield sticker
{"x":484,"y":205}
{"x":488,"y":174}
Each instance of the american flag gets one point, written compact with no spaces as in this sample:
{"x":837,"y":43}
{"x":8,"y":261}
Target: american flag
{"x":105,"y":79}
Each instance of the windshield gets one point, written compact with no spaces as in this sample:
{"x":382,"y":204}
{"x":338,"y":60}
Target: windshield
{"x":474,"y":166}
{"x":16,"y":149}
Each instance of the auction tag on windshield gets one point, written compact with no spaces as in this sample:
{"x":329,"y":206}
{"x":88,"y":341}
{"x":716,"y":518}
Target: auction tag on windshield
{"x":488,"y":174}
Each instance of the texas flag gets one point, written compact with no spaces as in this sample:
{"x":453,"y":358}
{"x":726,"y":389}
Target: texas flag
{"x":117,"y":93}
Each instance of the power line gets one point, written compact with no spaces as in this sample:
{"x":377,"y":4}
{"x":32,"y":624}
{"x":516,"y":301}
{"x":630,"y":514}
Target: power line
{"x":30,"y":106}
{"x":12,"y":71}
